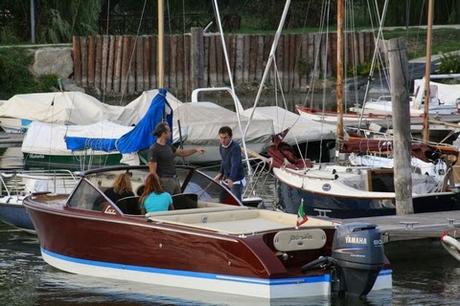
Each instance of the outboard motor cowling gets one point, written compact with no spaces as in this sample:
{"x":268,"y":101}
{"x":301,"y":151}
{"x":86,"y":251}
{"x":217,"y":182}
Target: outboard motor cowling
{"x":357,"y":250}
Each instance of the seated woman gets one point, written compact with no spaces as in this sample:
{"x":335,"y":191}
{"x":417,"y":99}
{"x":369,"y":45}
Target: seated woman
{"x":154,"y":198}
{"x":121,"y":188}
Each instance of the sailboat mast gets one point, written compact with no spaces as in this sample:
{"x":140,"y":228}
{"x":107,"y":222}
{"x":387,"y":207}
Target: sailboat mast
{"x":426,"y":130}
{"x":160,"y":64}
{"x":340,"y":72}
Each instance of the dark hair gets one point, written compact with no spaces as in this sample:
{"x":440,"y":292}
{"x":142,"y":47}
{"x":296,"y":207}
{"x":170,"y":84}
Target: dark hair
{"x":161,"y":128}
{"x":152,"y":184}
{"x":226,"y":130}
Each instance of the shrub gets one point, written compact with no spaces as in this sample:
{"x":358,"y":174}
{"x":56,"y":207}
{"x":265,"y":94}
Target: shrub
{"x":16,"y":77}
{"x":450,"y":63}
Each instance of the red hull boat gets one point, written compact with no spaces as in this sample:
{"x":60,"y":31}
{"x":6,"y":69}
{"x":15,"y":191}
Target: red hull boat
{"x":204,"y":244}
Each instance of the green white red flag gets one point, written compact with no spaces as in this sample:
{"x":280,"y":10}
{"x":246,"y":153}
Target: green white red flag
{"x":301,"y":216}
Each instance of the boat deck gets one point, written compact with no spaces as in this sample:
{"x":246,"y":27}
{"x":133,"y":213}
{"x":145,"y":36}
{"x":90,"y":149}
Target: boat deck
{"x":415,"y":226}
{"x":236,"y":221}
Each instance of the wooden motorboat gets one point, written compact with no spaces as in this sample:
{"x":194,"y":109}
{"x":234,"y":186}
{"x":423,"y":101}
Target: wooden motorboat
{"x":209,"y":242}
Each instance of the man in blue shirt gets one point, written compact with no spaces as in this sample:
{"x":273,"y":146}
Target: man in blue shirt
{"x":231,"y":169}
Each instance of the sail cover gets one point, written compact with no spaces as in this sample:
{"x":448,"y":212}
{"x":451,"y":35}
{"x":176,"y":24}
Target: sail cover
{"x":49,"y":139}
{"x":136,"y":138}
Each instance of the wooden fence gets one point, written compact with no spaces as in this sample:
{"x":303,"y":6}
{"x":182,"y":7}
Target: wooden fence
{"x":127,"y":64}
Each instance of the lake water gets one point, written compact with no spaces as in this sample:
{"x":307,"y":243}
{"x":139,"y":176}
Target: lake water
{"x":423,"y":274}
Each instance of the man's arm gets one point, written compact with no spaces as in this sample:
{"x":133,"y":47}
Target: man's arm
{"x":188,"y":152}
{"x":236,"y":161}
{"x":153,"y":168}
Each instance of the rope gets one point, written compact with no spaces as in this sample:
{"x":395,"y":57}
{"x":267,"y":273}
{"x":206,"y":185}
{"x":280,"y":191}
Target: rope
{"x":132,"y":52}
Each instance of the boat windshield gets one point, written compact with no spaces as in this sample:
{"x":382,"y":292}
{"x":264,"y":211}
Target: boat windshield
{"x":89,"y":193}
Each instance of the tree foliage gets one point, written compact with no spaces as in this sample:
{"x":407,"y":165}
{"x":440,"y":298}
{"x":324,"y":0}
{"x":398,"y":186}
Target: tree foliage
{"x":16,"y":77}
{"x":58,"y":20}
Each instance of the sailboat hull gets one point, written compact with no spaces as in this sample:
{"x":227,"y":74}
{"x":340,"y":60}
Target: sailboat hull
{"x":15,"y":214}
{"x":348,"y":206}
{"x":71,"y":162}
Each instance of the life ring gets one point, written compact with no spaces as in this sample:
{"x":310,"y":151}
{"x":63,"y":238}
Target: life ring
{"x":452,"y":246}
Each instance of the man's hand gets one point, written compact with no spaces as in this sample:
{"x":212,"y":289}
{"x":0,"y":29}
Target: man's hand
{"x":229,"y":183}
{"x":218,"y":176}
{"x":200,"y":150}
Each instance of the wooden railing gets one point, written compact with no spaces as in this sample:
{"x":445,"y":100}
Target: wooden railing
{"x":127,"y":64}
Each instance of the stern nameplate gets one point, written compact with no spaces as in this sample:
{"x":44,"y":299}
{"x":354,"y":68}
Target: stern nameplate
{"x":297,"y":240}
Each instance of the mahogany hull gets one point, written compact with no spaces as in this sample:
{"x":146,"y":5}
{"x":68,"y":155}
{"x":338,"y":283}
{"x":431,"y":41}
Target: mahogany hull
{"x":130,"y":248}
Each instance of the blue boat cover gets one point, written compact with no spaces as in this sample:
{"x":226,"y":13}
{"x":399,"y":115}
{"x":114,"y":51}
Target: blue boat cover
{"x":139,"y":138}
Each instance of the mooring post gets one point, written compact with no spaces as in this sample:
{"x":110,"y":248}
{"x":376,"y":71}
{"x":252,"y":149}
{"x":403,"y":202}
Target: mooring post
{"x":196,"y":58}
{"x":397,"y":57}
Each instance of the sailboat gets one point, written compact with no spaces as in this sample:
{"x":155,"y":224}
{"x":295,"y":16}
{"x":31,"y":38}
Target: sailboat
{"x":350,"y":191}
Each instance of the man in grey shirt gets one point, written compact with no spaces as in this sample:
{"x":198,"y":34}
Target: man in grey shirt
{"x":161,"y":160}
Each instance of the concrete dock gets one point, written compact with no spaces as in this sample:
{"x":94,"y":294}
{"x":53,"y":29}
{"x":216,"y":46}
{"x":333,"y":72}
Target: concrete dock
{"x":415,"y":226}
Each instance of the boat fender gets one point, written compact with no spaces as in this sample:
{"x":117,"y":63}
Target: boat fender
{"x":451,"y":245}
{"x":8,"y":200}
{"x":336,"y":177}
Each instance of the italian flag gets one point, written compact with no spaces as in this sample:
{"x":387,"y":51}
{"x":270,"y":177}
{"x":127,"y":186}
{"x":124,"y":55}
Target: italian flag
{"x":301,"y":216}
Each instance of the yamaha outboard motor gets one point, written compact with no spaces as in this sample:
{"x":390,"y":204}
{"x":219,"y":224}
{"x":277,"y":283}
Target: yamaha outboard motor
{"x":357,"y":258}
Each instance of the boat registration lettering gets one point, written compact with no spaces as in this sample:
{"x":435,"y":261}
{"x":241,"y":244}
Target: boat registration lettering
{"x":36,"y":156}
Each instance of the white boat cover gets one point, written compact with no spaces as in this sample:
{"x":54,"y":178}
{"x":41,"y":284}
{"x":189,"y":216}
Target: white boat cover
{"x":136,"y":109}
{"x":302,"y":129}
{"x":48,"y":139}
{"x":73,"y":107}
{"x":200,"y":124}
{"x":58,"y":107}
{"x":446,"y":93}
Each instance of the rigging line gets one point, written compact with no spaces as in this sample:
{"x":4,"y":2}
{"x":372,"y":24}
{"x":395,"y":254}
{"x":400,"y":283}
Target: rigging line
{"x":104,"y":91}
{"x":169,"y":17}
{"x":269,"y":61}
{"x":132,"y":53}
{"x":317,"y":45}
{"x":187,"y":88}
{"x":280,"y":122}
{"x":374,"y":55}
{"x":306,"y":14}
{"x":278,"y":80}
{"x":108,"y":18}
{"x":74,"y":18}
{"x":354,"y":47}
{"x":238,"y":106}
{"x":324,"y":87}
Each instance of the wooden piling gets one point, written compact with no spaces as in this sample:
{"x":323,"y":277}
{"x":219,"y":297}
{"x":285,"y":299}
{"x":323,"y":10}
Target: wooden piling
{"x":117,"y":64}
{"x":239,"y":59}
{"x":397,"y":56}
{"x":124,"y":66}
{"x":98,"y":62}
{"x":139,"y":73}
{"x":110,"y":64}
{"x":146,"y":63}
{"x":84,"y":61}
{"x":132,"y":64}
{"x":197,"y":58}
{"x":91,"y":60}
{"x":76,"y":48}
{"x":105,"y":60}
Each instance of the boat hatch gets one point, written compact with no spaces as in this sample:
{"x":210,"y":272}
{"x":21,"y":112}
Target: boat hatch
{"x":238,"y":221}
